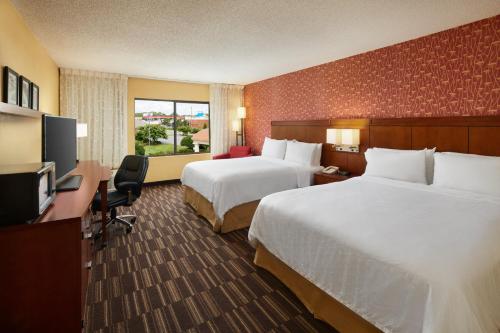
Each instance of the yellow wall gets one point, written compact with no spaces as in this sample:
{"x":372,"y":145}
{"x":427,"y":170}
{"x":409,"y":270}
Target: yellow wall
{"x":164,"y":167}
{"x":20,"y":138}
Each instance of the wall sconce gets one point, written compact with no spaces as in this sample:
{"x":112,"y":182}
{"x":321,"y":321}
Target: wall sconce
{"x":346,"y":140}
{"x":242,"y":112}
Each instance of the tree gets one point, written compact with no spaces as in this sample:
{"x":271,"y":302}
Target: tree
{"x":187,"y":141}
{"x":184,"y":129}
{"x":181,"y":122}
{"x":151,"y":113}
{"x":139,"y":148}
{"x":204,"y":148}
{"x":194,"y":130}
{"x":150,"y":134}
{"x":205,"y":125}
{"x":167,"y":122}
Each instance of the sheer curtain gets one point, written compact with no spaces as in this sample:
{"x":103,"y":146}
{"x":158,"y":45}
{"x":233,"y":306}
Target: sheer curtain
{"x":100,"y":100}
{"x":224,"y":101}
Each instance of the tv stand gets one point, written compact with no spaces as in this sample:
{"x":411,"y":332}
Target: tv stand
{"x":71,"y":183}
{"x":45,"y":266}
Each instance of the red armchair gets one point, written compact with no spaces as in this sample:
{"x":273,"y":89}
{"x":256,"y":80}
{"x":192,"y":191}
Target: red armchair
{"x":235,"y":152}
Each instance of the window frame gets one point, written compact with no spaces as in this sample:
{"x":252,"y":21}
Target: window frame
{"x":175,"y":101}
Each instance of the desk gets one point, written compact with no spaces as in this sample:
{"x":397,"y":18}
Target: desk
{"x":72,"y":204}
{"x":45,"y":265}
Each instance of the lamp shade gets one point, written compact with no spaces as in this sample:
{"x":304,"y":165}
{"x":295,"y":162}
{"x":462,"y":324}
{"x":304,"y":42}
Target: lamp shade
{"x":236,"y":125}
{"x":333,"y":136}
{"x":81,"y":130}
{"x":242,"y":112}
{"x":350,"y":137}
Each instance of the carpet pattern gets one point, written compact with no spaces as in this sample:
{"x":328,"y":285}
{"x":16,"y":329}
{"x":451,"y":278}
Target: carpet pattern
{"x":174,"y":274}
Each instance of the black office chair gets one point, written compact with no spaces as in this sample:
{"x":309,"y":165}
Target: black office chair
{"x":128,"y":184}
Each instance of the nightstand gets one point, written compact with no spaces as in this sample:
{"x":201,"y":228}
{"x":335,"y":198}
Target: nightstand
{"x":325,"y":178}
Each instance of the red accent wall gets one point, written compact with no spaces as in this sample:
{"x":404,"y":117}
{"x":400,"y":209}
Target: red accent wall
{"x":451,"y":73}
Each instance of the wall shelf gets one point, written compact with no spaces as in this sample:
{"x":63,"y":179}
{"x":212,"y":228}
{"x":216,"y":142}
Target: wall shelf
{"x":19,"y":111}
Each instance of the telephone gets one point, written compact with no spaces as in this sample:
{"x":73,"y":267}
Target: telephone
{"x":331,"y":170}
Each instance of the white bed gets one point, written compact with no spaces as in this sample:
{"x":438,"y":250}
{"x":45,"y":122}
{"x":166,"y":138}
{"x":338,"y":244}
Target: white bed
{"x":227,"y":183}
{"x":406,"y":257}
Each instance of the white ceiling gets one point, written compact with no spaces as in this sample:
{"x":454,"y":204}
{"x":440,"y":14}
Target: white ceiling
{"x":232,"y":41}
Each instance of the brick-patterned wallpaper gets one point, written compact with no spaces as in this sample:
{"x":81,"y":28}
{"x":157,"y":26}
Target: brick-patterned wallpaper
{"x":451,"y":73}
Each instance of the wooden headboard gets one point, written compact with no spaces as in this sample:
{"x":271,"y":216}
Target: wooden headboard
{"x":473,"y":135}
{"x":312,"y":131}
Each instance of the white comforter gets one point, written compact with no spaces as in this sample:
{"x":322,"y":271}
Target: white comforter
{"x":406,"y":257}
{"x":227,"y":183}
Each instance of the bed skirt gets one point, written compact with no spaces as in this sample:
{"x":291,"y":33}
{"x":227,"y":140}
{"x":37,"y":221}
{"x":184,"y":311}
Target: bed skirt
{"x":238,"y":217}
{"x":319,"y":303}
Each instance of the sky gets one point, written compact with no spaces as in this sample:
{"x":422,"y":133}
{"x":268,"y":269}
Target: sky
{"x":167,"y":107}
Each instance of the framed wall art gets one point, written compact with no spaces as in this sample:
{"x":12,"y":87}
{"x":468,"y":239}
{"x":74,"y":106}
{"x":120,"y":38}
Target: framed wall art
{"x":10,"y":86}
{"x":24,"y":92}
{"x":34,"y":96}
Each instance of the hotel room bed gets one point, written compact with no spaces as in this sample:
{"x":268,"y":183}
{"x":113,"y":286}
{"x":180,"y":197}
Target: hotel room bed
{"x":227,"y":192}
{"x":405,"y":257}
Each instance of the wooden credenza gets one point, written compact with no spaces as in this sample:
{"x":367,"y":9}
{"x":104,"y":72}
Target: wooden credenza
{"x":45,"y":265}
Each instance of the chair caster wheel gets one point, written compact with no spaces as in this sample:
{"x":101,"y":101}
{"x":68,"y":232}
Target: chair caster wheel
{"x":133,"y":220}
{"x":128,"y":230}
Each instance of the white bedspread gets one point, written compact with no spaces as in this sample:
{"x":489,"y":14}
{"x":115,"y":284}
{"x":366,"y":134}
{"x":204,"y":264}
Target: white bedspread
{"x":227,"y":183}
{"x":406,"y":257}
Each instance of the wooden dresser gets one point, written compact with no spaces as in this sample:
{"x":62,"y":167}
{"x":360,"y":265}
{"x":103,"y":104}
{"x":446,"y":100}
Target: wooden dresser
{"x":45,"y":266}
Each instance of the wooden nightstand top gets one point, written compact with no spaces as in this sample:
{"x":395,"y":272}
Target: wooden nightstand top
{"x":325,"y":178}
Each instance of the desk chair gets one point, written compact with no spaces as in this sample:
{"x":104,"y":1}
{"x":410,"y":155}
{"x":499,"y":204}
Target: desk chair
{"x":128,"y":184}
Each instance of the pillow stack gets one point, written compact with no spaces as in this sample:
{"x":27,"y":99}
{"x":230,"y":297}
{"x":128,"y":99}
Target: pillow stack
{"x":307,"y":154}
{"x":467,"y":172}
{"x":405,"y":165}
{"x":473,"y":173}
{"x":429,"y":161}
{"x":303,"y":153}
{"x":274,"y":148}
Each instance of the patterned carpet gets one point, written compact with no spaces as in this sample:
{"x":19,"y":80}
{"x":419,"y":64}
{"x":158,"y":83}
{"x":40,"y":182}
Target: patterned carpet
{"x":173,"y":274}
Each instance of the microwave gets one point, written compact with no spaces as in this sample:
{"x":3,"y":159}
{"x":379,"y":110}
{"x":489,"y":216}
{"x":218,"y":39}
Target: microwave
{"x":26,"y":191}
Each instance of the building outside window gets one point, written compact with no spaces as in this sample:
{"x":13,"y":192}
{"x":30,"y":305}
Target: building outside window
{"x":165,"y":127}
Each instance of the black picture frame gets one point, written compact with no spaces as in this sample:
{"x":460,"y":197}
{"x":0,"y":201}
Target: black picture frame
{"x":34,"y":96}
{"x":24,"y":99}
{"x":10,"y":86}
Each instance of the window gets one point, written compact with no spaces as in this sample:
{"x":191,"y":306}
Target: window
{"x":171,"y":127}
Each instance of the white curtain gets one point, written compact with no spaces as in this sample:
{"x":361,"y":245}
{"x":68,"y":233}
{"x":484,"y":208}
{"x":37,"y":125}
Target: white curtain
{"x":224,"y":102}
{"x":100,"y":101}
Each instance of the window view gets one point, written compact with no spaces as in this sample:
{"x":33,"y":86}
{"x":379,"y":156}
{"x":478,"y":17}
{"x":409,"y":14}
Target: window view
{"x":170,"y":127}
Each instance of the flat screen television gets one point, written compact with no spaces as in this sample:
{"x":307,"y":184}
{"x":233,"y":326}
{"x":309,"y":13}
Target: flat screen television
{"x":59,"y":146}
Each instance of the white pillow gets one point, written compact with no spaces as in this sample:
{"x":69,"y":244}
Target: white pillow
{"x":475,"y":173}
{"x":429,"y":161}
{"x":274,"y":148}
{"x":406,"y":165}
{"x":317,"y":154}
{"x":301,"y":152}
